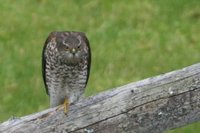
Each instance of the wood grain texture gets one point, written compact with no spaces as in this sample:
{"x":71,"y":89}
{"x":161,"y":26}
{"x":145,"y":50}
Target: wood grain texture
{"x":152,"y":105}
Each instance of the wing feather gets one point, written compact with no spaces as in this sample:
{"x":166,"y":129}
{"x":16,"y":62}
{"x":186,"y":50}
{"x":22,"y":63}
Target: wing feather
{"x":89,"y":57}
{"x":52,"y":34}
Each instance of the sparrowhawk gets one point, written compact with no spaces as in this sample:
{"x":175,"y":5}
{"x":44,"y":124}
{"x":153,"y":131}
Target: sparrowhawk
{"x":66,"y":61}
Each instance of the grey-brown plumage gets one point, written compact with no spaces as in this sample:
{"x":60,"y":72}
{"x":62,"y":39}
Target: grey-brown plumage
{"x":66,"y":61}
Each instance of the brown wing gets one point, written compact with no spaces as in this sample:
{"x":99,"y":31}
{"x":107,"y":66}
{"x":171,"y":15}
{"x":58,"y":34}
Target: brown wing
{"x":44,"y":59}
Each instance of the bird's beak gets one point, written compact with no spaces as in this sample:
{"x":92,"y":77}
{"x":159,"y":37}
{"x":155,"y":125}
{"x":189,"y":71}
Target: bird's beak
{"x":73,"y":50}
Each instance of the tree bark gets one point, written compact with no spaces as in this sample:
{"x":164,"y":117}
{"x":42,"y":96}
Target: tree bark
{"x":152,"y":105}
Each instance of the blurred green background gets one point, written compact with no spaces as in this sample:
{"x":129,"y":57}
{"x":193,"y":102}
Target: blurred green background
{"x":130,"y":41}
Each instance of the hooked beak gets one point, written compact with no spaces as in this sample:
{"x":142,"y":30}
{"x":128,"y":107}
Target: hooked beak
{"x":73,"y":50}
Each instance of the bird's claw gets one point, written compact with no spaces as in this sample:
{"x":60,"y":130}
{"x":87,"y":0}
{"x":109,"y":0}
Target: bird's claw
{"x":66,"y":105}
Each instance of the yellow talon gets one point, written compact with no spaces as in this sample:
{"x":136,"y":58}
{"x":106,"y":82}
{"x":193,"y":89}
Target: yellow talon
{"x":66,"y":105}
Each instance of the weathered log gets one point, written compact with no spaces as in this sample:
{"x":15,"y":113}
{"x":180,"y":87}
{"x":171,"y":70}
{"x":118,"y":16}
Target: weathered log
{"x":152,"y":105}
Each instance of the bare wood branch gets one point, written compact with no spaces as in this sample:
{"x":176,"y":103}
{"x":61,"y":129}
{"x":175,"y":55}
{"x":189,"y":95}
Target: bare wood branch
{"x":152,"y":105}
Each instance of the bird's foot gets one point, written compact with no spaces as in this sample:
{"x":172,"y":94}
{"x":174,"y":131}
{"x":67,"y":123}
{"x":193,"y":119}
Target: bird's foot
{"x":66,"y":106}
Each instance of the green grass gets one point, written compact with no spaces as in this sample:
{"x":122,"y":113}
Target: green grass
{"x":130,"y":41}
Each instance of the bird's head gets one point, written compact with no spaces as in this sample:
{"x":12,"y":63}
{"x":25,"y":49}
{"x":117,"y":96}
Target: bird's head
{"x":71,"y":48}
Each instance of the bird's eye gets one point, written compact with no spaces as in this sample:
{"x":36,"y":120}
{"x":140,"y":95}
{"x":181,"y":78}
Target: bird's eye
{"x":79,"y":47}
{"x":66,"y":48}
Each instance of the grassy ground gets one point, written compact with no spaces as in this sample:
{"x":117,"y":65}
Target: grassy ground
{"x":130,"y":41}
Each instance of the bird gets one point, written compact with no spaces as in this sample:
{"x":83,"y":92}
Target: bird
{"x":66,"y":59}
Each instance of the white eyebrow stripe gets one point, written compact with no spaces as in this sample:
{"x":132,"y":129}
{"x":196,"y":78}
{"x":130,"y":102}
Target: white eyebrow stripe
{"x":79,"y":38}
{"x":79,"y":43}
{"x":65,"y":43}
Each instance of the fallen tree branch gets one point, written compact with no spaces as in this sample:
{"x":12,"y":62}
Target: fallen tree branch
{"x":152,"y":105}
